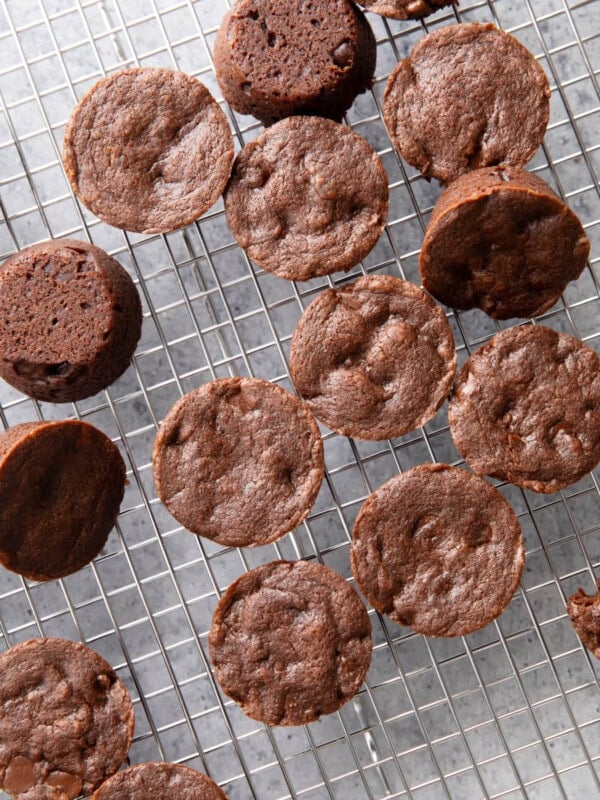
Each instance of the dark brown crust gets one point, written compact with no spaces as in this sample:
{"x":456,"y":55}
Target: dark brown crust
{"x":501,"y":240}
{"x":438,"y":549}
{"x":61,"y":485}
{"x":276,"y":58}
{"x":148,"y":150}
{"x":308,"y":197}
{"x":239,"y":461}
{"x":290,"y":641}
{"x":71,"y":320}
{"x":405,"y":9}
{"x":374,"y":359}
{"x":526,"y":409}
{"x":468,"y":96}
{"x":584,"y":611}
{"x":66,"y":720}
{"x":159,"y":781}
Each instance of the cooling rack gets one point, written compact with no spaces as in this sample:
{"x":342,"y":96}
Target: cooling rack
{"x":512,"y":711}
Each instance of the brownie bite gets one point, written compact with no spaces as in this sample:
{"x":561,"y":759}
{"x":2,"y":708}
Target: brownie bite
{"x":239,"y":461}
{"x":66,"y":720}
{"x":290,"y":641}
{"x":61,"y":485}
{"x":276,"y":58}
{"x":406,"y":9}
{"x":148,"y":150}
{"x":584,"y":611}
{"x":467,"y":96}
{"x":374,"y":359}
{"x":501,"y":240}
{"x":526,"y":409}
{"x":72,"y":320}
{"x":308,"y":197}
{"x":439,"y":550}
{"x":159,"y":781}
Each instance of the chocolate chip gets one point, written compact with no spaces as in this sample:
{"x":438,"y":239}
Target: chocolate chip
{"x":19,"y":775}
{"x":71,"y":785}
{"x":103,"y":682}
{"x":343,"y":55}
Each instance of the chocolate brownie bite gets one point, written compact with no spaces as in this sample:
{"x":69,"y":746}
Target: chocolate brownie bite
{"x":66,"y":720}
{"x":439,"y":550}
{"x":406,"y":9}
{"x":374,"y":359}
{"x":526,"y":409}
{"x":148,"y":150}
{"x":501,"y":240}
{"x":61,"y":485}
{"x":307,"y":198}
{"x":159,"y":781}
{"x":584,"y":611}
{"x":72,"y":319}
{"x":276,"y":58}
{"x":290,"y":641}
{"x":467,"y":96}
{"x":239,"y":461}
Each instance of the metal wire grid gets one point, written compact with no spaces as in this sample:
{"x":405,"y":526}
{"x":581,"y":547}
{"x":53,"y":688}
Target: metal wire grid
{"x":512,"y":711}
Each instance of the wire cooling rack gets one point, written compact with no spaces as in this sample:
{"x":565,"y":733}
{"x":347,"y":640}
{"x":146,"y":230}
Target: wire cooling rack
{"x":512,"y":711}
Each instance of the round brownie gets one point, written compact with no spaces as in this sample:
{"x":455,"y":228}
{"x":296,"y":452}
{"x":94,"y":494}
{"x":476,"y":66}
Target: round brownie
{"x":66,"y":720}
{"x":526,"y":409}
{"x":406,"y":9}
{"x":501,"y":240}
{"x":148,"y":150}
{"x":308,"y":197}
{"x":584,"y":611}
{"x":61,"y":485}
{"x":239,"y":460}
{"x":439,"y":550}
{"x":159,"y":781}
{"x":290,"y":641}
{"x":72,"y":320}
{"x":374,"y":359}
{"x":275,"y":58}
{"x":467,"y":96}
